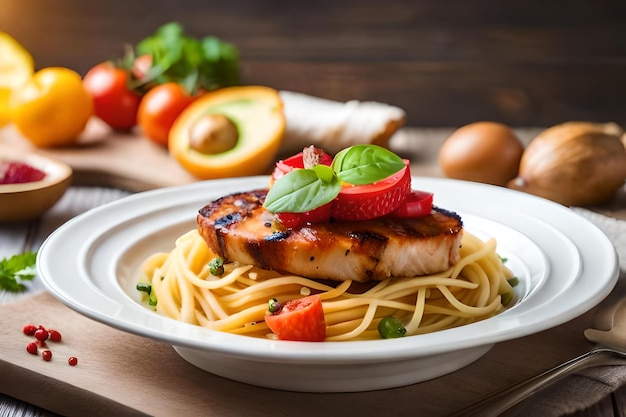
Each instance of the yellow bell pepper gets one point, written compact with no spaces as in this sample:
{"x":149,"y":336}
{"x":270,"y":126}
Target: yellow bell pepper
{"x":52,"y":108}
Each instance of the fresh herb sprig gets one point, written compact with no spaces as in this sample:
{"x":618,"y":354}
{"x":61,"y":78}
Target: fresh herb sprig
{"x":17,"y":269}
{"x":196,"y":63}
{"x":302,"y":190}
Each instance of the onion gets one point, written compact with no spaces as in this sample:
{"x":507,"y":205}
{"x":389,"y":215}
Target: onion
{"x":574,"y":163}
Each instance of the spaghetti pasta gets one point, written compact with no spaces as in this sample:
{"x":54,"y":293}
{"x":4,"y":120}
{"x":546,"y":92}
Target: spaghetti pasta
{"x":237,"y":301}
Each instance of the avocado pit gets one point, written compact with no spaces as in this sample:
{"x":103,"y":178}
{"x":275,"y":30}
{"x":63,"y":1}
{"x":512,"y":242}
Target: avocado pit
{"x":212,"y":134}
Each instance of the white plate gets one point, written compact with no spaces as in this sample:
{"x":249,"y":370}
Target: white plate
{"x":565,"y":265}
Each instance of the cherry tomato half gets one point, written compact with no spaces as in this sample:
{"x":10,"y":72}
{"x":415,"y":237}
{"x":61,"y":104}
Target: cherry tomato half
{"x":363,"y":202}
{"x":159,"y":108}
{"x":114,"y":102}
{"x":416,"y":204}
{"x":301,"y":319}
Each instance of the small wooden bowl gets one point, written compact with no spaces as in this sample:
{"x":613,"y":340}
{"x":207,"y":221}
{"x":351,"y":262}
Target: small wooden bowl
{"x":28,"y":201}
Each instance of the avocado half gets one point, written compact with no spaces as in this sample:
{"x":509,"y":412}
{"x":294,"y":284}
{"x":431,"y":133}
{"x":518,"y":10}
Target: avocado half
{"x":257,"y":116}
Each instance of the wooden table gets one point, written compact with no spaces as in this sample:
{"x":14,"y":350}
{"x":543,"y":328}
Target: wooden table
{"x":164,"y":387}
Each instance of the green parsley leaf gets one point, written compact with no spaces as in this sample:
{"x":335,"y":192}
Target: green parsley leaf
{"x":366,"y":164}
{"x":302,"y":190}
{"x":16,"y":269}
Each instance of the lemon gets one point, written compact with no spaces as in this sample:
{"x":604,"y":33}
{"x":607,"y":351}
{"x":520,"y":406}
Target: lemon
{"x":16,"y":67}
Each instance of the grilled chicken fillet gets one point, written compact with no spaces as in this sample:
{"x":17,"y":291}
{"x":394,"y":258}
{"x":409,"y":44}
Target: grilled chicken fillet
{"x":238,"y":228}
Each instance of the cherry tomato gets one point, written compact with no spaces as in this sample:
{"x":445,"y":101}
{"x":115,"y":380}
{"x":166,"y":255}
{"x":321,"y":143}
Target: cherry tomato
{"x":159,"y":108}
{"x":301,"y":319}
{"x":416,"y":204}
{"x":363,"y":202}
{"x":114,"y":102}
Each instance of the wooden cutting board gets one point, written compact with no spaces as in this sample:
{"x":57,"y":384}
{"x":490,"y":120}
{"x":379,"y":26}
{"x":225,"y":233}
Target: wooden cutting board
{"x":107,"y":158}
{"x":124,"y":374}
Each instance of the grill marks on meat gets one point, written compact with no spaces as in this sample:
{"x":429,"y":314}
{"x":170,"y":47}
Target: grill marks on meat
{"x":238,"y":228}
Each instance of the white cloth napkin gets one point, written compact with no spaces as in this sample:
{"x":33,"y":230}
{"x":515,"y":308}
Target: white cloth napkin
{"x":584,"y":389}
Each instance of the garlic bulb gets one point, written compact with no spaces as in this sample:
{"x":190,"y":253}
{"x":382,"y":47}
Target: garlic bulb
{"x":574,"y":163}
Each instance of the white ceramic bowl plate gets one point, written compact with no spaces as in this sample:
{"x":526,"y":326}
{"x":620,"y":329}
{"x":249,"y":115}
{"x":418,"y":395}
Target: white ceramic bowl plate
{"x":564,"y":263}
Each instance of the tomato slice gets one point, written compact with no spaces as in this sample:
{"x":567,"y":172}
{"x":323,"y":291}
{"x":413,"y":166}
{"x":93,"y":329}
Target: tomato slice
{"x":318,"y":215}
{"x":301,"y":320}
{"x":416,"y":204}
{"x":363,"y":202}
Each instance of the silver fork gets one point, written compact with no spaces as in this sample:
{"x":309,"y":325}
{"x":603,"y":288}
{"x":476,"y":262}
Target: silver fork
{"x":610,"y":350}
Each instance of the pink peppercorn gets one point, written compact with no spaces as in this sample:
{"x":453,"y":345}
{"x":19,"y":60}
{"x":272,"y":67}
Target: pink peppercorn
{"x":32,"y":348}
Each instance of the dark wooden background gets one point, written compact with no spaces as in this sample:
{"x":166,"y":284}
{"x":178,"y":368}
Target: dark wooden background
{"x":447,"y":63}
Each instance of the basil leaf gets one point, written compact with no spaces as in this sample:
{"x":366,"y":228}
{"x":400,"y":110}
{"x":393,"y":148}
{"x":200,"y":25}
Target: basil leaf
{"x":325,"y":173}
{"x":366,"y":164}
{"x":303,"y":190}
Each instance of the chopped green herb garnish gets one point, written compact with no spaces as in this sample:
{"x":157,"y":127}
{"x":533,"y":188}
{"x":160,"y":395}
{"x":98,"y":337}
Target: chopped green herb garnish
{"x":144,"y":287}
{"x":216,"y":267}
{"x":147,"y":288}
{"x":274,"y":306}
{"x":17,"y":269}
{"x":513,"y":282}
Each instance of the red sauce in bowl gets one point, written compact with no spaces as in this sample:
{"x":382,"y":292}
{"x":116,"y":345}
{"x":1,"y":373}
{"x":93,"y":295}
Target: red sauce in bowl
{"x":15,"y":172}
